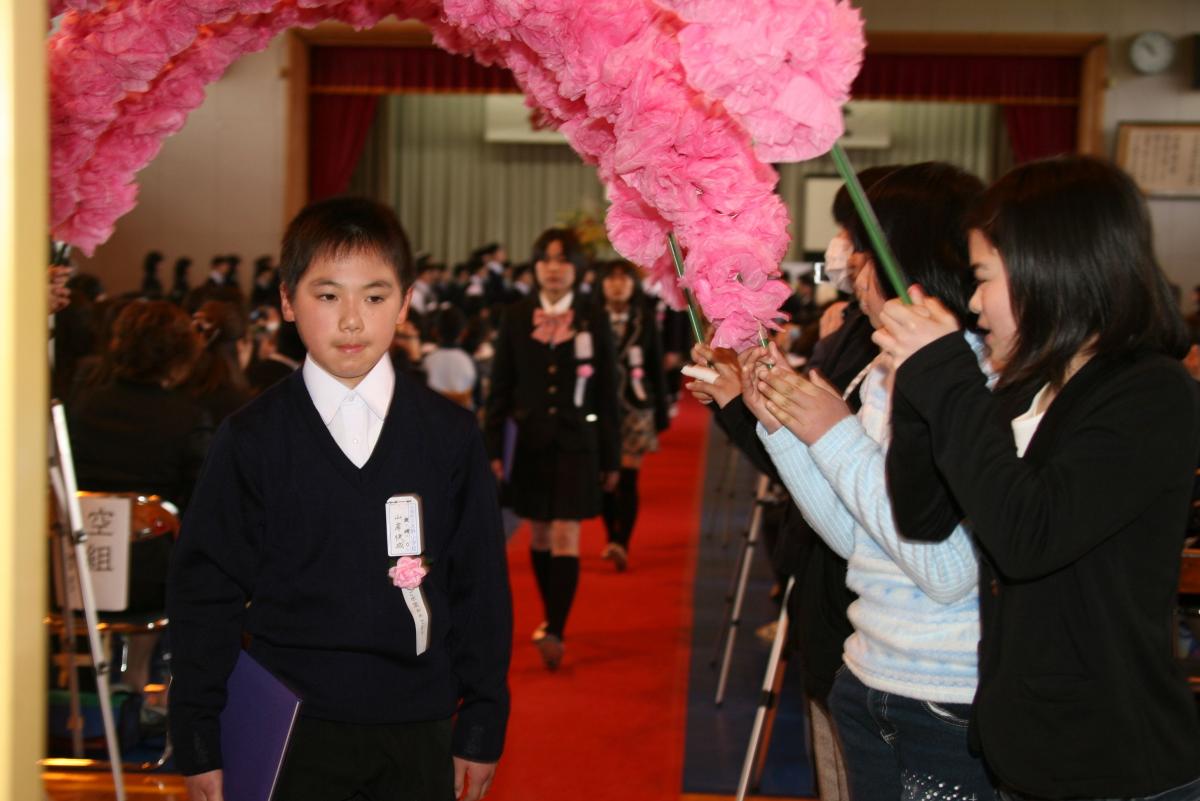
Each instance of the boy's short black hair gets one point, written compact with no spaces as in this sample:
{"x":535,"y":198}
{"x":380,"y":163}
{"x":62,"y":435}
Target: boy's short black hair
{"x":340,"y":226}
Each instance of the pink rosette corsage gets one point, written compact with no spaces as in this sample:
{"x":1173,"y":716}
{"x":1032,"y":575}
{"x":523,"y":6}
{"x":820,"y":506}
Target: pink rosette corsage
{"x":585,"y":371}
{"x":408,"y":572}
{"x":637,"y":374}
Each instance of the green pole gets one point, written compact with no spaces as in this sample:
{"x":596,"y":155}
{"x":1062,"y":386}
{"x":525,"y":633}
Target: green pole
{"x":867,"y":214}
{"x":677,"y":257}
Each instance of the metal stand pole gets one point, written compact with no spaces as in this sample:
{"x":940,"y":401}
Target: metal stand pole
{"x":743,"y":578}
{"x":764,"y":717}
{"x":65,"y":487}
{"x":68,"y":644}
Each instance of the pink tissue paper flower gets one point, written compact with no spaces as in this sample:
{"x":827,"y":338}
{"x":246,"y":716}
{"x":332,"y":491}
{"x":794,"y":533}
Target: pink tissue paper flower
{"x":680,"y":104}
{"x":408,"y":573}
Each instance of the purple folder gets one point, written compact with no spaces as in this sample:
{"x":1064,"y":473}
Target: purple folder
{"x":256,"y":725}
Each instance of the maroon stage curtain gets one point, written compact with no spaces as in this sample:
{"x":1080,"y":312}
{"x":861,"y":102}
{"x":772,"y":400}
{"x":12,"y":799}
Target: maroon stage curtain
{"x":1046,"y":126}
{"x":1037,"y":132}
{"x":986,"y":78}
{"x":337,"y":130}
{"x":346,"y":83}
{"x":404,"y":69}
{"x":1039,"y":94}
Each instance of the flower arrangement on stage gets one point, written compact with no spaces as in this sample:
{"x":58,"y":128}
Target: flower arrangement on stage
{"x":588,"y":227}
{"x":680,"y":104}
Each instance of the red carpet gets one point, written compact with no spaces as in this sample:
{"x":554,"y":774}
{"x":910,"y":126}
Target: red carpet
{"x":610,"y":723}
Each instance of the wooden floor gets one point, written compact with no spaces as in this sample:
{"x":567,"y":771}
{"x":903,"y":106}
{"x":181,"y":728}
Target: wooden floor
{"x":93,"y":786}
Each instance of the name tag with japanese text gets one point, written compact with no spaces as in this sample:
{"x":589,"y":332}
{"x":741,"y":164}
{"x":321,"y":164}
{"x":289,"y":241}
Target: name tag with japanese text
{"x":404,"y":534}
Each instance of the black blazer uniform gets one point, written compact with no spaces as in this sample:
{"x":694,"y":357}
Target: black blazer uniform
{"x":1079,"y":694}
{"x":642,"y":331}
{"x":132,"y":437}
{"x":562,"y":445}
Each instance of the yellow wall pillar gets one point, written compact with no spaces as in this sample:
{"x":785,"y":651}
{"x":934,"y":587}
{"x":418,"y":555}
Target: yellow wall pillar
{"x":23,"y":382}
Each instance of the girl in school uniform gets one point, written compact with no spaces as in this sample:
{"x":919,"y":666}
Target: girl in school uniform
{"x":554,"y":377}
{"x":1076,"y":475}
{"x":642,"y":394}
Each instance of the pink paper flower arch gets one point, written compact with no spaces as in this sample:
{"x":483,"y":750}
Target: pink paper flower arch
{"x":680,"y":104}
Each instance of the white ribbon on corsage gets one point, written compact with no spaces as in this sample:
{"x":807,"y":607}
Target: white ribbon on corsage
{"x":637,"y":372}
{"x":584,"y":371}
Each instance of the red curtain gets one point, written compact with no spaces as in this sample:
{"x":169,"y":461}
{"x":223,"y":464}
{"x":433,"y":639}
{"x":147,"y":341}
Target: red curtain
{"x":404,"y":69}
{"x":1046,"y":127}
{"x":337,"y":130}
{"x":1039,"y":94}
{"x":996,"y":79}
{"x":347,"y":83}
{"x":1037,"y":132}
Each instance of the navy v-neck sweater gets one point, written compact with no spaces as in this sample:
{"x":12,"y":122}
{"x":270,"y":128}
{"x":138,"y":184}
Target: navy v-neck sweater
{"x":285,"y":541}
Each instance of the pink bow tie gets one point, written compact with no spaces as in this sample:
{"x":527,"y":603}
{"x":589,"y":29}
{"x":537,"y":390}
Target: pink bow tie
{"x":551,"y":329}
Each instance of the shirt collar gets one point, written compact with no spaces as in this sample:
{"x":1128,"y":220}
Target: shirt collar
{"x":561,"y":306}
{"x":328,"y":393}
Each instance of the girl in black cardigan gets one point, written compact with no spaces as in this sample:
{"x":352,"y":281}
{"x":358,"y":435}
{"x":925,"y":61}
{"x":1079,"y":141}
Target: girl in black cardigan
{"x":553,"y":376}
{"x":1076,"y":477}
{"x":641,"y":392}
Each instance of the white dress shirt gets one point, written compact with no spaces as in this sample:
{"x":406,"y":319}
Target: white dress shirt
{"x":558,"y":307}
{"x":354,"y":417}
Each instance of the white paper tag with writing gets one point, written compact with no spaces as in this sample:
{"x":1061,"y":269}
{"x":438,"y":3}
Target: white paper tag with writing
{"x":635,"y":356}
{"x":404,"y":525}
{"x":420,"y":615}
{"x":583,"y":346}
{"x":106,"y":520}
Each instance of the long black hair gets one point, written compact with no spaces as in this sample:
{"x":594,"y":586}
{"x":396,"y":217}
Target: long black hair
{"x":922,"y":209}
{"x":1075,"y":237}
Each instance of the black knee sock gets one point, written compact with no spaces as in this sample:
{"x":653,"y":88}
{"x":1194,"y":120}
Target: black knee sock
{"x":627,"y":493}
{"x":611,"y":510}
{"x":541,"y":573}
{"x":562,"y":581}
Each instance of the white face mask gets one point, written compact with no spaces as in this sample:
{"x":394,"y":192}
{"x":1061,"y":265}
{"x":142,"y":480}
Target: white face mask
{"x":837,"y":262}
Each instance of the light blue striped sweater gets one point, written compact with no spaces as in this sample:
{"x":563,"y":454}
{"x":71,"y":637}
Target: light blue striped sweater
{"x":916,"y":620}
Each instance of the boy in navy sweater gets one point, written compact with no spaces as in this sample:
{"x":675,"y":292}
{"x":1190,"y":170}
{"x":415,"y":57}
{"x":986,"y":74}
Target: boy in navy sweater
{"x":291,"y":539}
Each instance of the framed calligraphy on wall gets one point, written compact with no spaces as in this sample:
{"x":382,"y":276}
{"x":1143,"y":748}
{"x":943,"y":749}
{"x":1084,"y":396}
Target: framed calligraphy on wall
{"x":1162,"y":157}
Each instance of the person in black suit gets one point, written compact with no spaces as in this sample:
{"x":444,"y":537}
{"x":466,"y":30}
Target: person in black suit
{"x":1076,"y":476}
{"x":554,"y":377}
{"x":133,"y":430}
{"x":641,"y":392}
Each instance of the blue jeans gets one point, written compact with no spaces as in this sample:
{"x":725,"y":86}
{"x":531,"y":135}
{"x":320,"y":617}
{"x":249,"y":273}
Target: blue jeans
{"x":1185,"y":792}
{"x":899,"y":748}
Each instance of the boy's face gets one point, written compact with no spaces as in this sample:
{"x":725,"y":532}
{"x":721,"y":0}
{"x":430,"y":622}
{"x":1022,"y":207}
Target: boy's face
{"x":346,"y":310}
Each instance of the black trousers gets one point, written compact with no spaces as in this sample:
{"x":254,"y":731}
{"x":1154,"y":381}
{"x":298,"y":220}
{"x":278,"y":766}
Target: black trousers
{"x":331,"y":761}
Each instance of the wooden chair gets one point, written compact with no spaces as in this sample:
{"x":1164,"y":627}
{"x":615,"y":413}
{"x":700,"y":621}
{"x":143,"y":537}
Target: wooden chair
{"x":151,"y":518}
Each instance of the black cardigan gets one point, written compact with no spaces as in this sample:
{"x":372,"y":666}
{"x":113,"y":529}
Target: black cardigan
{"x":286,"y":540}
{"x":1079,"y":694}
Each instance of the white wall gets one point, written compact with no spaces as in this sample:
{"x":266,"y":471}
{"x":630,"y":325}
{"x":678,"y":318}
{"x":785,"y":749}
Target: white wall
{"x":217,"y":186}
